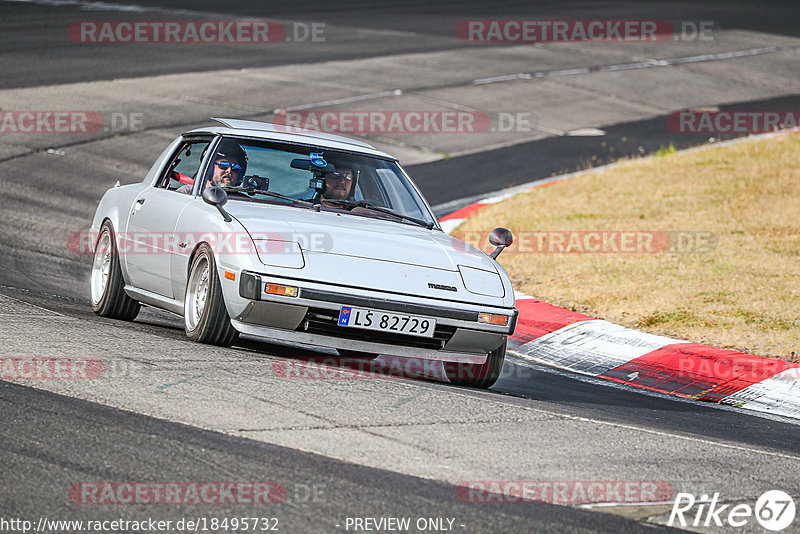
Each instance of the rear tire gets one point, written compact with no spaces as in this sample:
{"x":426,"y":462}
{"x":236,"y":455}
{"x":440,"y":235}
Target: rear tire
{"x":205,"y":317}
{"x":473,"y":375}
{"x":107,"y":285}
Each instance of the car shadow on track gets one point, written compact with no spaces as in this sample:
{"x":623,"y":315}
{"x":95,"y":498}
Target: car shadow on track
{"x":303,"y":363}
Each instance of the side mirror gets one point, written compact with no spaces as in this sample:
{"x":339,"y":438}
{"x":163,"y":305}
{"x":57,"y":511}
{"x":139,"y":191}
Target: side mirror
{"x":217,"y":197}
{"x":500,"y":238}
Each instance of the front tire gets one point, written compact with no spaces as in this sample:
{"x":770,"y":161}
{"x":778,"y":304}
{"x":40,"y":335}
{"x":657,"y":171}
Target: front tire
{"x":204,"y":315}
{"x":474,"y":375}
{"x":107,"y":285}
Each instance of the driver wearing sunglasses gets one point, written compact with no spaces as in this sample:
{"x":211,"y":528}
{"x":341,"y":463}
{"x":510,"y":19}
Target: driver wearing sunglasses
{"x":228,"y":168}
{"x":339,"y":184}
{"x":226,"y":172}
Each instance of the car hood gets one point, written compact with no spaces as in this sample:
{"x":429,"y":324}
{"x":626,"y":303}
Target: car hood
{"x":343,"y":234}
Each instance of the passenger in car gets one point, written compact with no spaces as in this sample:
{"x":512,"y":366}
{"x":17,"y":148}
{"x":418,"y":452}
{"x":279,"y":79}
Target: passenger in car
{"x":339,"y":185}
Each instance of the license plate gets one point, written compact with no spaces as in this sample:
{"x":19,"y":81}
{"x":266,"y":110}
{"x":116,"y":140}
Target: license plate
{"x":397,"y":323}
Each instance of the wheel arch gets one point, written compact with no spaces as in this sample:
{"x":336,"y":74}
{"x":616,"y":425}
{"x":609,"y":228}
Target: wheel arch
{"x":194,"y":253}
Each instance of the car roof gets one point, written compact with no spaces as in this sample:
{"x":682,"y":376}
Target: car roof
{"x":291,"y":134}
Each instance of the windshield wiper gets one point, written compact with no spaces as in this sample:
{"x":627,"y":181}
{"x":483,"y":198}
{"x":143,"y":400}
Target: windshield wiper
{"x":252,"y":190}
{"x":350,"y":204}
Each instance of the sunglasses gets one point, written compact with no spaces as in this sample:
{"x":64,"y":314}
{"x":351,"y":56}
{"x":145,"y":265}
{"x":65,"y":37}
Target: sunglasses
{"x":235,"y":167}
{"x":340,"y":176}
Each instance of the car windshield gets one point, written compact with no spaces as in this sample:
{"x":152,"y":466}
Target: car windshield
{"x":302,"y":176}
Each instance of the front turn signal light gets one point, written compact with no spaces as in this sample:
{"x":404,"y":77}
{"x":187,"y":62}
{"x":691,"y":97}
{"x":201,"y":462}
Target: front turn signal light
{"x":277,"y":289}
{"x":493,"y":318}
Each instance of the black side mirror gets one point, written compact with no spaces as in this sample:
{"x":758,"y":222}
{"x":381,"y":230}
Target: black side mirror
{"x":500,"y":238}
{"x":217,"y":197}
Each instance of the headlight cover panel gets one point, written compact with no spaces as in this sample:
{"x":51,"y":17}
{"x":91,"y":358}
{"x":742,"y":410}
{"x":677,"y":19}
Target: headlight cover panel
{"x":482,"y":282}
{"x":277,"y":253}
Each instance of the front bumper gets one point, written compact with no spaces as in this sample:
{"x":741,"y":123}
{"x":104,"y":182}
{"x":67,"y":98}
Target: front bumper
{"x":312,"y":318}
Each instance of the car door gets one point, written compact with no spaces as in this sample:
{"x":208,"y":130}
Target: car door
{"x":150,"y":235}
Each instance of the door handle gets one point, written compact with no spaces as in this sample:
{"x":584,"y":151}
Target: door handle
{"x":140,"y":200}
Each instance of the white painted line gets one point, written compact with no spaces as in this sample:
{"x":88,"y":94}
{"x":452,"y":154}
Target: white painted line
{"x":10,"y":318}
{"x":723,"y":55}
{"x":563,"y":72}
{"x":47,"y":313}
{"x":630,"y":66}
{"x":504,"y":78}
{"x":107,"y":6}
{"x":358,"y":98}
{"x":645,"y":503}
{"x":639,"y":65}
{"x":586,"y":132}
{"x":650,"y":431}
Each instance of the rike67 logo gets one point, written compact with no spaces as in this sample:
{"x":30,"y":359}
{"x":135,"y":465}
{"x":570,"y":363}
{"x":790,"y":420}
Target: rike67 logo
{"x":774,"y":510}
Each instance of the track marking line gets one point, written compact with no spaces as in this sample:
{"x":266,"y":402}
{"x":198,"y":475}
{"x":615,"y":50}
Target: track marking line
{"x":650,"y":63}
{"x":345,"y":100}
{"x":49,"y":312}
{"x":664,"y":434}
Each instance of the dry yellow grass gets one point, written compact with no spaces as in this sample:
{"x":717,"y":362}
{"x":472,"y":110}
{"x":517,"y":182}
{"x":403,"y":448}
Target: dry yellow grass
{"x":742,"y":295}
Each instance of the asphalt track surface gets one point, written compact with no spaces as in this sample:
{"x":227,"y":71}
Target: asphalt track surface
{"x":139,"y":448}
{"x":49,"y":441}
{"x":417,"y":25}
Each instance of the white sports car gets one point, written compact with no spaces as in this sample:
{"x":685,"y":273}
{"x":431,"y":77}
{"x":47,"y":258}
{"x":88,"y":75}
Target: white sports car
{"x":304,"y":237}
